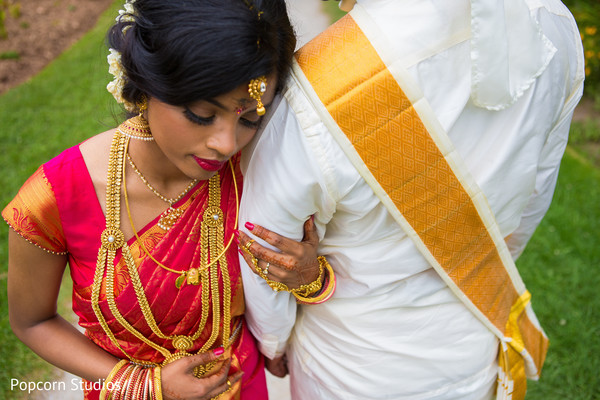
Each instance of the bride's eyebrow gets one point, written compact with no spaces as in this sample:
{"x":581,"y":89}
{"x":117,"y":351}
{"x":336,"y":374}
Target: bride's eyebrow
{"x":242,"y":102}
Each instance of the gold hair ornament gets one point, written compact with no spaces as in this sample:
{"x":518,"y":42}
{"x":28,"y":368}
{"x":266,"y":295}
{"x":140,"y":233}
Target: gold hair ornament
{"x":257,"y":88}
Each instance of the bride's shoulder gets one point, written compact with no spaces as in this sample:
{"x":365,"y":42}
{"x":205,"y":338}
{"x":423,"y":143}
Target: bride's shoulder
{"x":95,"y":152}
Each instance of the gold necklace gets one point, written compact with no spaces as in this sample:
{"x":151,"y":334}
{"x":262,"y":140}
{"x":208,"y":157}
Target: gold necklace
{"x":112,"y":239}
{"x":212,"y":213}
{"x":171,"y":215}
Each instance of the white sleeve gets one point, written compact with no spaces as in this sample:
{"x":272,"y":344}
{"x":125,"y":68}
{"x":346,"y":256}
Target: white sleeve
{"x":545,"y":182}
{"x":283,"y":186}
{"x":553,"y":149}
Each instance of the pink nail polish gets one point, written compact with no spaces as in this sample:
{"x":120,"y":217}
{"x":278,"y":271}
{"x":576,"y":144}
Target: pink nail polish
{"x":241,"y":252}
{"x":218,"y":351}
{"x":236,"y":240}
{"x":249,"y":225}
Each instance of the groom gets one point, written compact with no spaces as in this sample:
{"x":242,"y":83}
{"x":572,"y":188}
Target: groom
{"x":425,"y":137}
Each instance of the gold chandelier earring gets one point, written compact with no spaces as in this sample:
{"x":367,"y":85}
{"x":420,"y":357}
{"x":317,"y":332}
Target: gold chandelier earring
{"x":257,"y":88}
{"x":138,"y":127}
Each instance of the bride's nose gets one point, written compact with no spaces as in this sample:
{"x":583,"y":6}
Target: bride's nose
{"x":223,"y":138}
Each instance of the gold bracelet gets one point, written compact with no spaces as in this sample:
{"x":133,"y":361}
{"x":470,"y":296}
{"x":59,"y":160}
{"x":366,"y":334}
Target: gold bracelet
{"x":303,"y":290}
{"x":134,"y":383}
{"x":326,"y":293}
{"x":115,"y":391}
{"x":138,"y":385}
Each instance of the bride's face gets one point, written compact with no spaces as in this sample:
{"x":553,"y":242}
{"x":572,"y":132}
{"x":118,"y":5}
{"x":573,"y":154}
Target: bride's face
{"x":200,"y":138}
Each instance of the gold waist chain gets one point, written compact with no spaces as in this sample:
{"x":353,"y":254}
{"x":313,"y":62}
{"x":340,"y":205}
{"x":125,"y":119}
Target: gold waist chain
{"x":213,"y":261}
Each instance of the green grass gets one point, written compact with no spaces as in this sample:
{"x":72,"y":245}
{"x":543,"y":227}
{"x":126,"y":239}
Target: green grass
{"x":68,"y":102}
{"x":561,"y":267}
{"x":331,"y":8}
{"x":64,"y":104}
{"x":10,"y":55}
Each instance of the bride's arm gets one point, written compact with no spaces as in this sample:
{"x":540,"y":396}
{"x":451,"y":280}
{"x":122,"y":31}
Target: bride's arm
{"x":34,"y":279}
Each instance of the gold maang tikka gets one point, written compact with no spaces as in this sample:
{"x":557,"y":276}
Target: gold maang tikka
{"x":257,"y":88}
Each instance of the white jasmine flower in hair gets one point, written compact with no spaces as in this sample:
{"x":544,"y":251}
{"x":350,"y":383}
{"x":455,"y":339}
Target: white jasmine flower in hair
{"x":114,"y":62}
{"x":126,"y":15}
{"x":115,"y":87}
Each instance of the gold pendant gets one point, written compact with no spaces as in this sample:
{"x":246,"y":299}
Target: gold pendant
{"x":180,"y":281}
{"x":193,"y":277}
{"x":183,"y":343}
{"x":169,"y":218}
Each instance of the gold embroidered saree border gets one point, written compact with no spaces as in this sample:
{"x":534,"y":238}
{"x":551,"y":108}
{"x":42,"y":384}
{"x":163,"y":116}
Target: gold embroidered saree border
{"x":33,"y":214}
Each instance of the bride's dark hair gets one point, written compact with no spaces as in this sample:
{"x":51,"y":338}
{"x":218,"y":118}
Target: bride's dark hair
{"x":184,"y":51}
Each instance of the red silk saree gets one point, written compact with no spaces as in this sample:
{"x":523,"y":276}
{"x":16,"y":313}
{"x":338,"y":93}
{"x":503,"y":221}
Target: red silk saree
{"x":57,"y":210}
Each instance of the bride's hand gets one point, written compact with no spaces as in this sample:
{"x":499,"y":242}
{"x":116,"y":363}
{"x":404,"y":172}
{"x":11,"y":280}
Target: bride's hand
{"x":296,"y":264}
{"x":178,"y":380}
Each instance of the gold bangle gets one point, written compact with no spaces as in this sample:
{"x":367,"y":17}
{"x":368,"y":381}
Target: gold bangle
{"x":314,"y":286}
{"x":326,"y":293}
{"x":157,"y":384}
{"x":138,"y":387}
{"x":123,"y":381}
{"x":115,"y":392}
{"x":110,"y":377}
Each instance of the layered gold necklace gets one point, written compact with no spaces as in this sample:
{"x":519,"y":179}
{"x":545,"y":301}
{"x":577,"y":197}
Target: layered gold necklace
{"x":171,"y":215}
{"x":213,"y":264}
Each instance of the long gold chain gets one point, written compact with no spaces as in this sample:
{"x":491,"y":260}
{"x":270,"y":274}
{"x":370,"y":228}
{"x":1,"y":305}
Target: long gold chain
{"x":191,"y":275}
{"x":153,"y":189}
{"x":182,"y":342}
{"x":212,"y":242}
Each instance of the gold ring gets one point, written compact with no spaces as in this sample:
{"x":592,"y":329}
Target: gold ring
{"x":228,"y":384}
{"x":266,"y":270}
{"x":248,"y":244}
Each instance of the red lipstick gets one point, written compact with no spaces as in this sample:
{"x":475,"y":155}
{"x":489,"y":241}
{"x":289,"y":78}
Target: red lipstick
{"x":209,"y":165}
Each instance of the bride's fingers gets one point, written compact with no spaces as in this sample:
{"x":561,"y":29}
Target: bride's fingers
{"x":227,"y":384}
{"x":249,"y":259}
{"x":274,"y":272}
{"x":247,"y":245}
{"x":282,"y":243}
